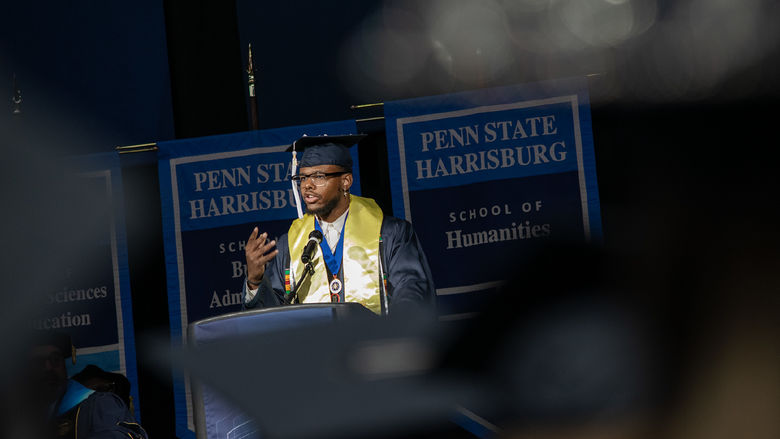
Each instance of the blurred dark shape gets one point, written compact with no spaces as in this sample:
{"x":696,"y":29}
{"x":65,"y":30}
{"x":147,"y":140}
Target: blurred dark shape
{"x":668,"y":331}
{"x":354,"y":378}
{"x":646,"y":51}
{"x":564,"y":342}
{"x":16,"y":100}
{"x":213,"y":416}
{"x":46,"y":227}
{"x":525,"y":358}
{"x":585,"y":341}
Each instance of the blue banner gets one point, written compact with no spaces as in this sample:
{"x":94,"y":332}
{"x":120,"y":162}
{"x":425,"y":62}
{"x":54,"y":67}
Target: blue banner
{"x":480,"y":172}
{"x":214,"y":191}
{"x":94,"y":304}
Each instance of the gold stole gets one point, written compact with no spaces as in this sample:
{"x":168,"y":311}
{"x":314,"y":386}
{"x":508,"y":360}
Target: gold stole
{"x":360,"y":259}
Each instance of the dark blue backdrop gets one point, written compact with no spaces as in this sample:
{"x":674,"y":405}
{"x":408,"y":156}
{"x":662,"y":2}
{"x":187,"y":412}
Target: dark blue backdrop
{"x":94,"y":73}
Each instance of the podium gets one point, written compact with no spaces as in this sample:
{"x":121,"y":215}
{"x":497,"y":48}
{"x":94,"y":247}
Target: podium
{"x":216,"y":419}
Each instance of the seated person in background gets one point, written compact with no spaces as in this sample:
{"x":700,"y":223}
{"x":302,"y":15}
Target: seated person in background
{"x":358,"y":243}
{"x":95,"y":378}
{"x":67,"y":409}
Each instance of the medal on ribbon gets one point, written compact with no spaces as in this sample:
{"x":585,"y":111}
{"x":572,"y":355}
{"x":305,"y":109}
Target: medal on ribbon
{"x":335,"y":289}
{"x":333,"y":261}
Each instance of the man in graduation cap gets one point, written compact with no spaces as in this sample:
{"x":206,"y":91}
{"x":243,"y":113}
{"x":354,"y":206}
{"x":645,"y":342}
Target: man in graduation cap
{"x":363,"y":256}
{"x":64,"y":408}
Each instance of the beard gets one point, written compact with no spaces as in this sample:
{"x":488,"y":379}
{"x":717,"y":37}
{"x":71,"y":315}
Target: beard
{"x":324,"y":210}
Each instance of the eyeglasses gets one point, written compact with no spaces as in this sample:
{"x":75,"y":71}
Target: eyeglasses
{"x":318,"y":179}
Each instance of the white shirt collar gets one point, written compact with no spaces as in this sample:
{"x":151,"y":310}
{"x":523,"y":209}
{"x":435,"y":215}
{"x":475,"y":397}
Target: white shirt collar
{"x":338,"y":225}
{"x":338,"y":222}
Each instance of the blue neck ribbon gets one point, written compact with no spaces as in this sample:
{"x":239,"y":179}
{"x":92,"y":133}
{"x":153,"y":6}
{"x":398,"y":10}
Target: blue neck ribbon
{"x":332,"y":260}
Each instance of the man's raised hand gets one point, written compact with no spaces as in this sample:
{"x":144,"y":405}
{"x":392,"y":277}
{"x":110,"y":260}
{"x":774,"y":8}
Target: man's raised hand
{"x":257,"y":255}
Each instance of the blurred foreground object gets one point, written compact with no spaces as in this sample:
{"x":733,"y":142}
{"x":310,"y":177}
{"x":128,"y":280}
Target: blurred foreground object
{"x":597,"y":353}
{"x":16,"y":100}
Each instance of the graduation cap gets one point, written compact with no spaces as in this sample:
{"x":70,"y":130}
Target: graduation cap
{"x":321,"y":150}
{"x":326,"y":150}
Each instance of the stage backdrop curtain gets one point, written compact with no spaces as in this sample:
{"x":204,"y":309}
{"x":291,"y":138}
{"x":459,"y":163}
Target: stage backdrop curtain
{"x":93,"y":303}
{"x":484,"y":175}
{"x":214,"y":191}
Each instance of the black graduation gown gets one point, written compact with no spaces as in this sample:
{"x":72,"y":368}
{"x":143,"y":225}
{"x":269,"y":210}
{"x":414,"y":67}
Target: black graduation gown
{"x":409,"y":281}
{"x":100,"y":415}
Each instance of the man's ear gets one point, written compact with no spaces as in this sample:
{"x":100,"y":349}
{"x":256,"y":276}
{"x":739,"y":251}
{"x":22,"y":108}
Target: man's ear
{"x":346,"y":182}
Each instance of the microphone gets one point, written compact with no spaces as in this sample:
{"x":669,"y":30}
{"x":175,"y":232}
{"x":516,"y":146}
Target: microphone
{"x":315,"y":237}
